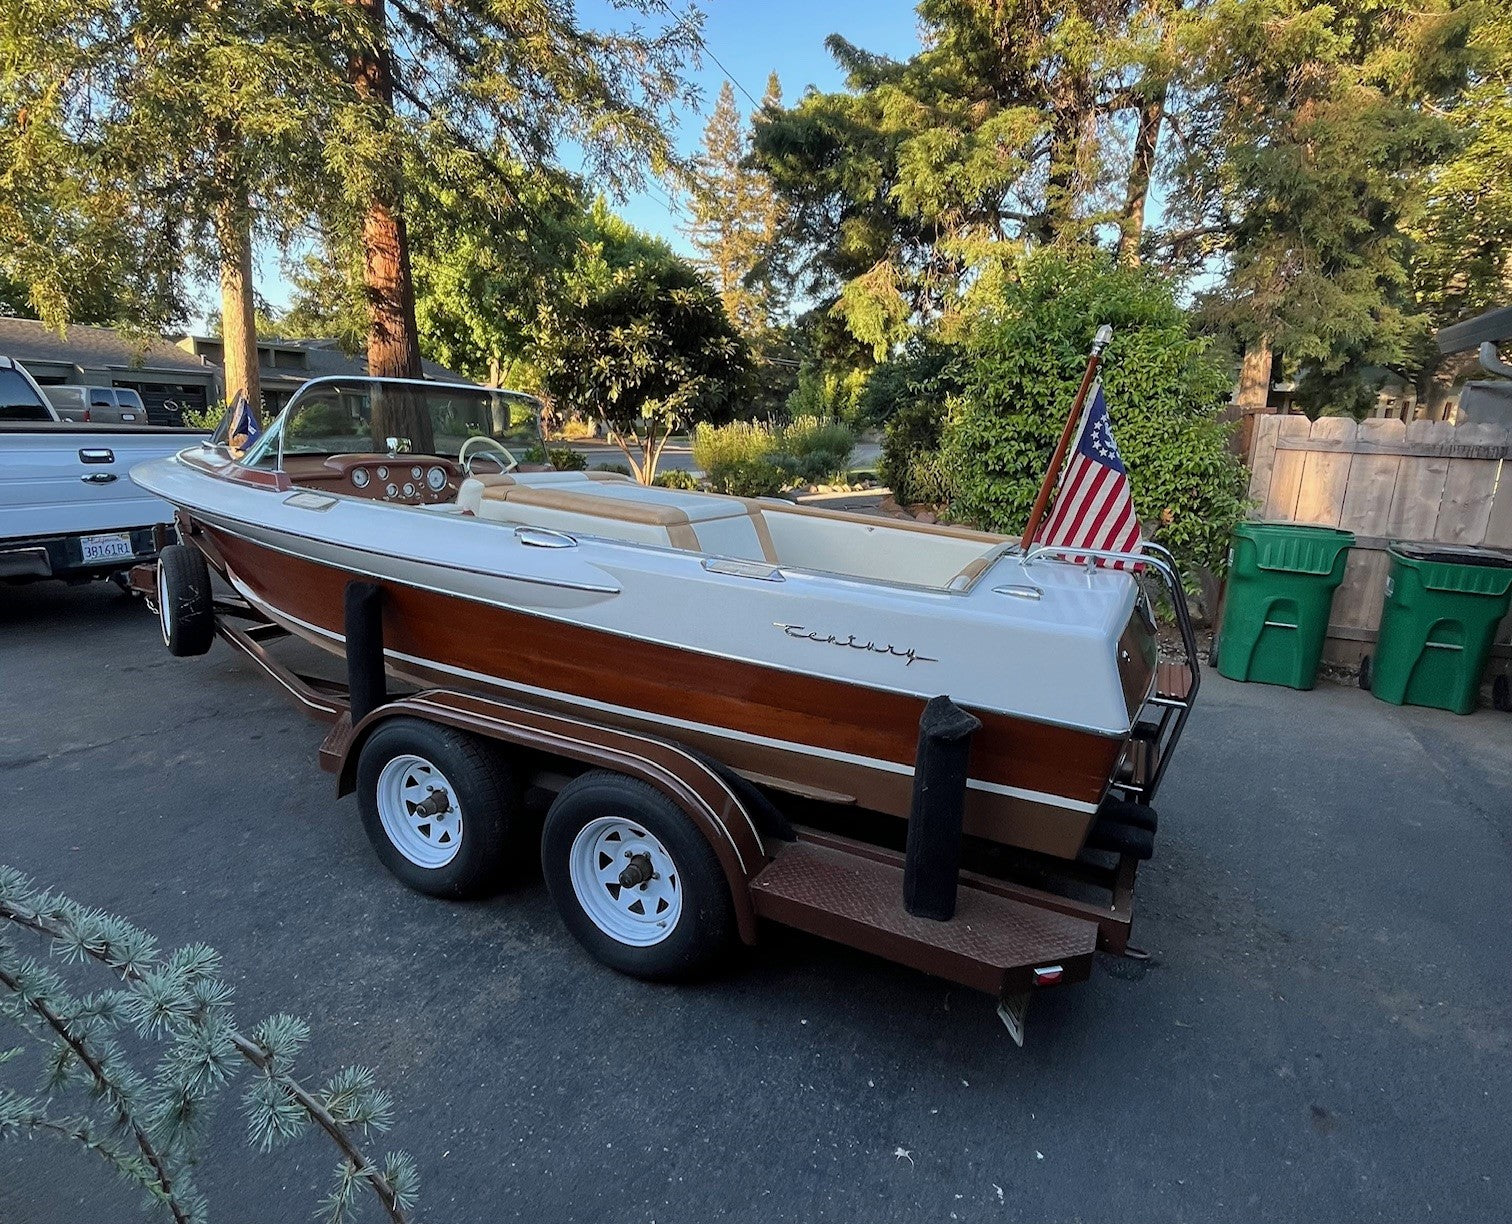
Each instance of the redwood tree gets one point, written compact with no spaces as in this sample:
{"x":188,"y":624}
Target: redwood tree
{"x":493,"y":87}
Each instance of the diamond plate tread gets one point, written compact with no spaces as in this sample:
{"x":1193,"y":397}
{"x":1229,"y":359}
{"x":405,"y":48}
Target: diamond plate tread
{"x":992,"y":944}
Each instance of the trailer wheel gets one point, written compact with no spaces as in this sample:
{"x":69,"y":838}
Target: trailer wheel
{"x":185,"y":611}
{"x":437,"y":805}
{"x":635,"y":881}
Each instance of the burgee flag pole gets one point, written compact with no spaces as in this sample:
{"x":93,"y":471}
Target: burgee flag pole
{"x":1094,"y":359}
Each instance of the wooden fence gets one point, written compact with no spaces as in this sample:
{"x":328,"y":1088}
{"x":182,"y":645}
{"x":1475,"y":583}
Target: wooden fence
{"x":1384,"y":480}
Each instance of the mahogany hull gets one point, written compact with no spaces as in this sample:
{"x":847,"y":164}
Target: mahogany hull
{"x":1034,"y":785}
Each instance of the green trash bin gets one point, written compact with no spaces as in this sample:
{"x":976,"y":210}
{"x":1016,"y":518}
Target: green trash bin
{"x":1443,"y":603}
{"x":1281,"y":583}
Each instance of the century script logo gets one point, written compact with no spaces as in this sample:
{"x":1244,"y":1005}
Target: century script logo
{"x":829,"y":639}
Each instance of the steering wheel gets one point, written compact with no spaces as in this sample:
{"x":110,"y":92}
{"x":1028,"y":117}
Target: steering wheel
{"x":464,"y":456}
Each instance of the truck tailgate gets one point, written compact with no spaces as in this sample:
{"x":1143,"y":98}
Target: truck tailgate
{"x":64,"y":479}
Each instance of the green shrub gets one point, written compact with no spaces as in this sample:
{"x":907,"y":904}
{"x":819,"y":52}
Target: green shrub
{"x":809,"y":449}
{"x":926,"y":479}
{"x":911,"y":463}
{"x":747,"y":478}
{"x":562,"y":458}
{"x":817,"y":435}
{"x":675,"y":478}
{"x":928,"y":372}
{"x":718,"y":446}
{"x":207,"y":418}
{"x":1164,"y":391}
{"x":834,"y":393}
{"x":622,"y":468}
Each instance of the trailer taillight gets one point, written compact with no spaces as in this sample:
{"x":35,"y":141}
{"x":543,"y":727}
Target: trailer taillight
{"x":1048,"y":975}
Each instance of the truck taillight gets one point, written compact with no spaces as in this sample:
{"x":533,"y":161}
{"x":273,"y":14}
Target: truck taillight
{"x":86,"y":413}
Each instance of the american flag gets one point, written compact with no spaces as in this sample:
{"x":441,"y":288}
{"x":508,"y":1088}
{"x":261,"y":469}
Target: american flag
{"x":1094,"y":508}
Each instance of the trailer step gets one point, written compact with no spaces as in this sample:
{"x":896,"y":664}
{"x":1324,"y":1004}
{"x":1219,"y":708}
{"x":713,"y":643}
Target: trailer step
{"x":993,"y":943}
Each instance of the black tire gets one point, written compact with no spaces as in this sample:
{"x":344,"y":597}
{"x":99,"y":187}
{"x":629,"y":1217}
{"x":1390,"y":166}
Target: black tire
{"x":480,"y":788}
{"x":704,"y":927}
{"x":1365,"y":673}
{"x":186,"y":612}
{"x":1501,"y":694}
{"x":1213,"y":652}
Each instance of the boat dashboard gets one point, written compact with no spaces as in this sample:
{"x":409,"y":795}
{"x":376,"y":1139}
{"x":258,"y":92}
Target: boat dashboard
{"x":403,"y":479}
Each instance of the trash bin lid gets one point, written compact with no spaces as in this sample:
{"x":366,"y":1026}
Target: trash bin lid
{"x":1296,"y":548}
{"x":1456,"y":568}
{"x":1453,"y":554}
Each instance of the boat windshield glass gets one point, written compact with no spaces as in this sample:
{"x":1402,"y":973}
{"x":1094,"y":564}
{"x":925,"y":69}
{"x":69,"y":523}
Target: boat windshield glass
{"x":344,"y":416}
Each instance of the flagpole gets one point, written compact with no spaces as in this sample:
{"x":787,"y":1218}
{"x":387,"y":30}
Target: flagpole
{"x":1094,"y":359}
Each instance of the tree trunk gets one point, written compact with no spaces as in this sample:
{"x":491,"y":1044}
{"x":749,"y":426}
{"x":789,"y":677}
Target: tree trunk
{"x":1141,"y":169}
{"x":1253,"y":395}
{"x":1071,"y":126}
{"x":393,"y":335}
{"x":238,"y":320}
{"x":393,"y":342}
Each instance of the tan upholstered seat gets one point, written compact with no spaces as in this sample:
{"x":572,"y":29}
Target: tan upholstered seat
{"x":471,"y":490}
{"x":693,"y":522}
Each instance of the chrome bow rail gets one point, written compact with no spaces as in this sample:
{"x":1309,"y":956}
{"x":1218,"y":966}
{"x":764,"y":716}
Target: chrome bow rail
{"x":1172,"y":707}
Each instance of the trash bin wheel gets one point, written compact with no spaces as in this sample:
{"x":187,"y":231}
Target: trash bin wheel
{"x":1501,"y":694}
{"x":1365,"y":673}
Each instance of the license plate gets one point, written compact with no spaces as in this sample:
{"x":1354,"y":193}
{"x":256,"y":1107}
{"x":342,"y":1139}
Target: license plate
{"x":107,"y":548}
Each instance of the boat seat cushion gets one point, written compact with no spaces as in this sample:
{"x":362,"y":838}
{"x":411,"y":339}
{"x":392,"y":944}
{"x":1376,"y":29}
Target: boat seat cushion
{"x":704,"y":523}
{"x":471,"y":490}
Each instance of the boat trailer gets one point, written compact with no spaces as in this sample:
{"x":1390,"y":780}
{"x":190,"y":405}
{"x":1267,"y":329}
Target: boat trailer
{"x":995,"y":919}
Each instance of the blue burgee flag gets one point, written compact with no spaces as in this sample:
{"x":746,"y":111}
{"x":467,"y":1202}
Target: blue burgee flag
{"x":244,"y":424}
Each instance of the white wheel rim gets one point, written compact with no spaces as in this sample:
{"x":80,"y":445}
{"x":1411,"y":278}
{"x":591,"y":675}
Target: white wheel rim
{"x":638,"y":915}
{"x":164,"y":607}
{"x":427,"y":837}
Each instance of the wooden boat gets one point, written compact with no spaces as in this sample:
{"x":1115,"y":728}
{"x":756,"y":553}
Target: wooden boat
{"x":796,"y":645}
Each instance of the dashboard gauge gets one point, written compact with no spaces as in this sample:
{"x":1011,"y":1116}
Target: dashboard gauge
{"x":436,"y":478}
{"x":360,"y":478}
{"x":417,"y":472}
{"x":392,"y":491}
{"x":383,"y":473}
{"x":409,"y":489}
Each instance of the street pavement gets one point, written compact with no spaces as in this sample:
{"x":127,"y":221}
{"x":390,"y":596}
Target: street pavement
{"x":1322,"y":1032}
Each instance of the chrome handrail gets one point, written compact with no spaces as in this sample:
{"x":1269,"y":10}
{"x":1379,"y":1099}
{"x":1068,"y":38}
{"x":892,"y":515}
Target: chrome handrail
{"x":1160,"y":559}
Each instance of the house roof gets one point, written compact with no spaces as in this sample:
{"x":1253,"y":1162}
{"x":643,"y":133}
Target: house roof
{"x":325,"y":357}
{"x":105,"y":348}
{"x":95,"y":348}
{"x":1494,"y":325}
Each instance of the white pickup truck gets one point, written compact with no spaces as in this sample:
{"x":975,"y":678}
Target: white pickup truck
{"x":67,"y":508}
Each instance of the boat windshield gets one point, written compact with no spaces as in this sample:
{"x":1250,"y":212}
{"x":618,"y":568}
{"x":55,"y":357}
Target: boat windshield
{"x":332,"y":416}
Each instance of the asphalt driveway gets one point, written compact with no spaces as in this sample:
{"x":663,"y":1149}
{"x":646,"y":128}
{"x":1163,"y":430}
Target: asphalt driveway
{"x":1324,"y":1032}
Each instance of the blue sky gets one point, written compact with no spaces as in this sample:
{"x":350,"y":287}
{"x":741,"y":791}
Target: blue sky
{"x":751,"y":38}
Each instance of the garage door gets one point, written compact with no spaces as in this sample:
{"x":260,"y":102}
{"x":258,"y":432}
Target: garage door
{"x":166,"y":401}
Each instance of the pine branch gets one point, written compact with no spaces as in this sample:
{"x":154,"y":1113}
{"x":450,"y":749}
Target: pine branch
{"x":86,"y":1056}
{"x":379,"y":1179}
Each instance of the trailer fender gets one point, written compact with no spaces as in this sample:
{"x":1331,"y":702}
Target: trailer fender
{"x":708,"y":799}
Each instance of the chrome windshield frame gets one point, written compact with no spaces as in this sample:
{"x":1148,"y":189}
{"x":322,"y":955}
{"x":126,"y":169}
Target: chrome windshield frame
{"x":314,"y":386}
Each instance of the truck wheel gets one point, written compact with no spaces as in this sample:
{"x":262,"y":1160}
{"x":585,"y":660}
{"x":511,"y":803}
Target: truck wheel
{"x":634,"y":880}
{"x":185,"y":610}
{"x":437,"y":805}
